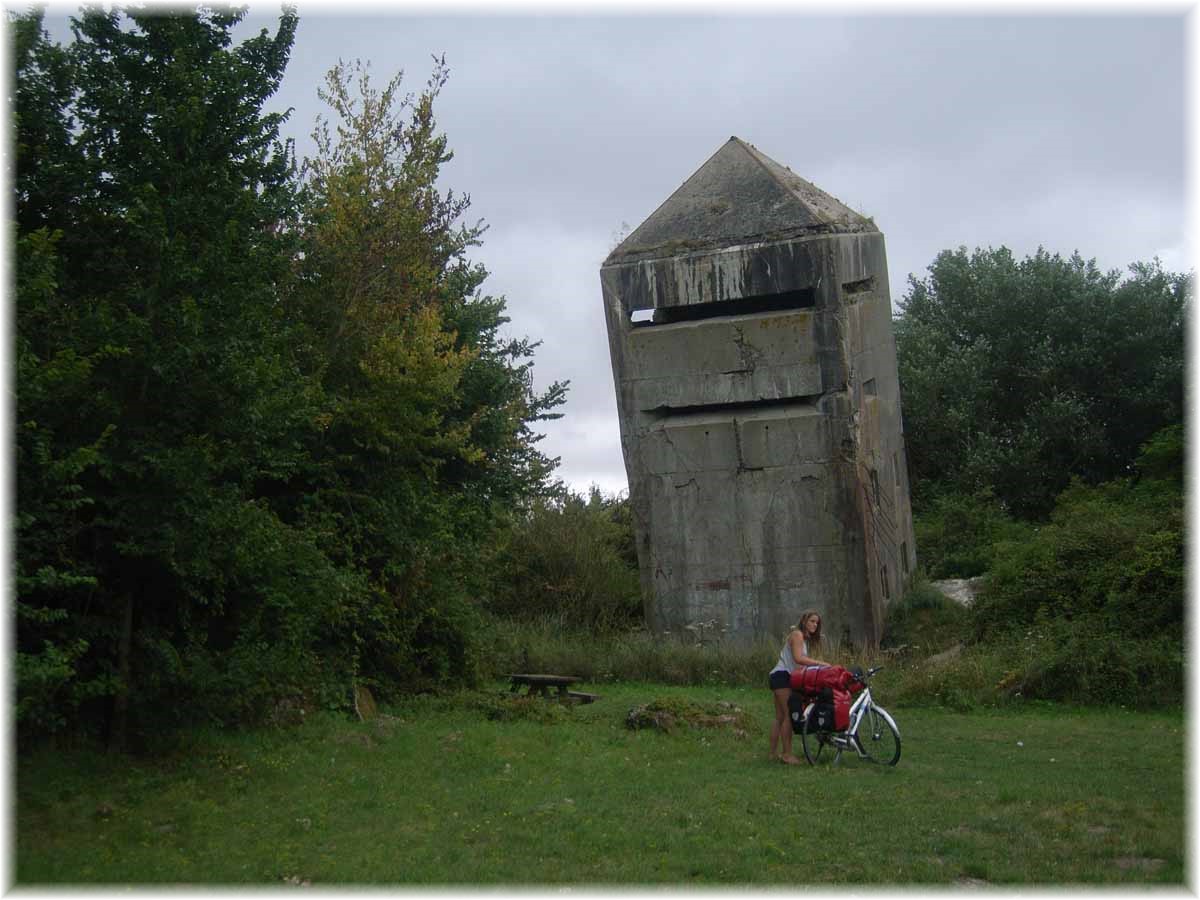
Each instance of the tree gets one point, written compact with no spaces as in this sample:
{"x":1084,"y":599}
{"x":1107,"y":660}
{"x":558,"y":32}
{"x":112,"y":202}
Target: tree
{"x":1018,"y":375}
{"x":425,"y":445}
{"x":267,"y":429}
{"x":154,"y":388}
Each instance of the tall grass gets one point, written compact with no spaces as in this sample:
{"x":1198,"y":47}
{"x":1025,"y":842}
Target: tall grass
{"x":927,"y":650}
{"x":553,"y":645}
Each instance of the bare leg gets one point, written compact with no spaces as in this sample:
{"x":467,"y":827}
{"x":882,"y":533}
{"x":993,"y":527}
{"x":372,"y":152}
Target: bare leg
{"x":782,"y":729}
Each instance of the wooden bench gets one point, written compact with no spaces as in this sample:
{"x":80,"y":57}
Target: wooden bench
{"x":543,"y":685}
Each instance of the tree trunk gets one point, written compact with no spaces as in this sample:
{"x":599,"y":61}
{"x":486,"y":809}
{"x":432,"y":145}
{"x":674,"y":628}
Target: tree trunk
{"x":118,"y":737}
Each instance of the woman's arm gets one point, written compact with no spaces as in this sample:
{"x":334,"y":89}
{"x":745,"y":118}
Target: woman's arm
{"x":797,"y":641}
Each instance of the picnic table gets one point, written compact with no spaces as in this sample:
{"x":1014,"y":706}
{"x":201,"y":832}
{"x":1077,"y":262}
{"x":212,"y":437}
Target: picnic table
{"x":541,"y":685}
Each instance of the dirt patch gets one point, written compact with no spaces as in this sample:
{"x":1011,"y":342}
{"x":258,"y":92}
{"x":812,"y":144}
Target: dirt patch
{"x":668,"y":714}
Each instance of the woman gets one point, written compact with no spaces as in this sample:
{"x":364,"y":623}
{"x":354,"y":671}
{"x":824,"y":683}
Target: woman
{"x":801,"y":642}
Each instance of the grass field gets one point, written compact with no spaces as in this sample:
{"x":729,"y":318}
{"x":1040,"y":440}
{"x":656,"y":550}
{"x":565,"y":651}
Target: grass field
{"x":435,"y":793}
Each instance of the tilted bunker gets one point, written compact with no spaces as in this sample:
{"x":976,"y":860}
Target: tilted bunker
{"x":749,"y":324}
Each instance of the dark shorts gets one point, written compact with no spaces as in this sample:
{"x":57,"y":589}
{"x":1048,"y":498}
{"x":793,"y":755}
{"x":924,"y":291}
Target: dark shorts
{"x":780,"y":680}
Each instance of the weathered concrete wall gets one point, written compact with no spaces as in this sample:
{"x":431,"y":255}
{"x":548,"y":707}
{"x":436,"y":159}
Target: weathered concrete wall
{"x":762,"y":444}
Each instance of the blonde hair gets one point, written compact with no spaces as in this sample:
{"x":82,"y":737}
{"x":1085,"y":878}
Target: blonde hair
{"x":815,"y":638}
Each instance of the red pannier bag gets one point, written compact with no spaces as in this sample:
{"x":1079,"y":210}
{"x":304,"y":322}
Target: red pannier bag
{"x":841,"y":709}
{"x":812,"y":679}
{"x":832,"y":684}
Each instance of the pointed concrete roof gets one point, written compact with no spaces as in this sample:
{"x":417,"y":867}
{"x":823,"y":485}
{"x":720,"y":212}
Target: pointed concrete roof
{"x":738,"y":196}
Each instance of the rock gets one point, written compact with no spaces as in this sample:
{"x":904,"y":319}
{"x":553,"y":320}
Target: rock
{"x":960,"y":590}
{"x":966,"y":881}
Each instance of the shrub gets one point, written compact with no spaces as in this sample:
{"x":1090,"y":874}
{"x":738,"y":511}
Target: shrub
{"x":1109,"y":561}
{"x":1090,"y":664}
{"x":924,"y":620}
{"x":571,"y":557}
{"x":957,"y":534}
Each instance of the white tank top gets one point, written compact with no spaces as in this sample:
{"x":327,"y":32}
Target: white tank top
{"x":787,"y":663}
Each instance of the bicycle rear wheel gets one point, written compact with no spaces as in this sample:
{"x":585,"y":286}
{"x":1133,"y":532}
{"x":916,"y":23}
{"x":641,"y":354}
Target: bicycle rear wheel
{"x":878,"y":738}
{"x":816,"y":743}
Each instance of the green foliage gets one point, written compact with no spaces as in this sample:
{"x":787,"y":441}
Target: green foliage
{"x":267,"y":431}
{"x":1085,"y":662}
{"x":553,"y":645}
{"x":422,"y":447}
{"x":572,"y":559}
{"x":149,"y":357}
{"x":1018,"y":375}
{"x":957,"y":534}
{"x":1056,"y":662}
{"x":1043,"y":401}
{"x":520,"y":708}
{"x":971,"y":680}
{"x":1111,"y":556}
{"x":923,"y":621}
{"x":670,"y":713}
{"x":1085,"y":609}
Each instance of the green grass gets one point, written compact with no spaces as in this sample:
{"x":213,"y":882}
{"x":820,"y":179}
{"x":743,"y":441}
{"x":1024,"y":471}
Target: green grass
{"x":436,"y":793}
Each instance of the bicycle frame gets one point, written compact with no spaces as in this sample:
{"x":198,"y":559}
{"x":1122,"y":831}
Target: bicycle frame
{"x":858,"y":709}
{"x":849,"y":738}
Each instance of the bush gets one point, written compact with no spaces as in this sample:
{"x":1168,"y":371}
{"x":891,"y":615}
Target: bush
{"x":970,"y":680}
{"x":957,"y":534}
{"x":923,"y":621}
{"x":1109,"y":562}
{"x":1093,"y":665}
{"x":573,"y":558}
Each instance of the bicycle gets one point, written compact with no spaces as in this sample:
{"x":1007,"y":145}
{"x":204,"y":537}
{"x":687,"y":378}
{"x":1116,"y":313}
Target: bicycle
{"x":881,"y":743}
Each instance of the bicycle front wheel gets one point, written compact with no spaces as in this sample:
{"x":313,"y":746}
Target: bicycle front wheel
{"x":879,"y":739}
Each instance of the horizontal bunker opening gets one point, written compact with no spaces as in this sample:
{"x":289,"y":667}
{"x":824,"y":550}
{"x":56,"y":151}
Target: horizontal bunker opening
{"x":864,"y":286}
{"x":743,"y":306}
{"x":734,"y":408}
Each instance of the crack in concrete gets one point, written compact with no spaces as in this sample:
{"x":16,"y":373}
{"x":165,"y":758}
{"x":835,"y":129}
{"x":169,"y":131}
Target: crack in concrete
{"x":750,"y":355}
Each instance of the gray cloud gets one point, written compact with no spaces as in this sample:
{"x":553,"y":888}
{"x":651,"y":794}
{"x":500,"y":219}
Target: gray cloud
{"x":1066,"y":132}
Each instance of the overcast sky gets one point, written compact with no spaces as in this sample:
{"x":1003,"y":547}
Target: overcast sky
{"x":1015,"y":129}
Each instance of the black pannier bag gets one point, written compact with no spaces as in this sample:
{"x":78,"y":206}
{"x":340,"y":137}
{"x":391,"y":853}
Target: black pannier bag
{"x":821,"y":717}
{"x":822,"y":710}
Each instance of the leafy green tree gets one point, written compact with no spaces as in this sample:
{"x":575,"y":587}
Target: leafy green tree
{"x":268,"y":432}
{"x":1019,"y":374}
{"x":155,"y":394}
{"x":425,"y":446}
{"x":957,"y":534}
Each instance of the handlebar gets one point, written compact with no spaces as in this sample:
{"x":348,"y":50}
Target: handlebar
{"x":863,"y":677}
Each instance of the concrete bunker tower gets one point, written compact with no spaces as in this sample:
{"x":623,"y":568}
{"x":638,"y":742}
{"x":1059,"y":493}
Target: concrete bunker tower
{"x":749,"y":325}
